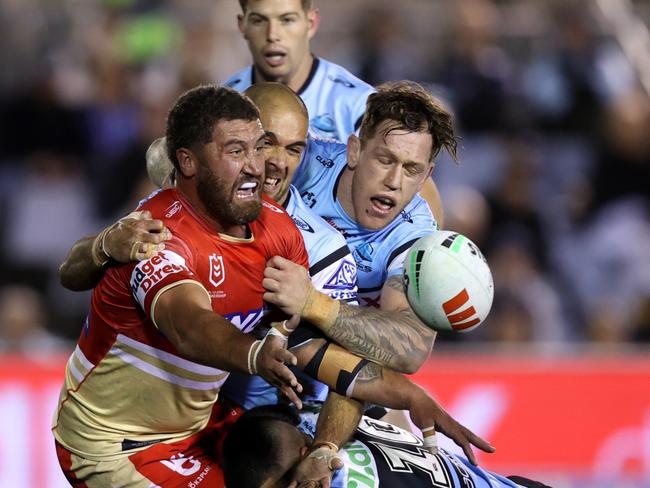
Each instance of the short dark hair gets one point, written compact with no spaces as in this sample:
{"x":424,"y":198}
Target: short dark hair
{"x":413,"y":109}
{"x":250,"y":452}
{"x":306,"y":5}
{"x":196,"y":112}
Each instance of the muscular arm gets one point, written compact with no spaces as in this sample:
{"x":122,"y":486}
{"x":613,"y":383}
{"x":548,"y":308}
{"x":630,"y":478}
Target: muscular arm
{"x":391,"y":336}
{"x":134,"y":237}
{"x":374,"y":384}
{"x":430,"y":193}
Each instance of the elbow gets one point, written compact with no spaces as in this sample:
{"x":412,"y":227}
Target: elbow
{"x":411,"y":363}
{"x":65,"y":278}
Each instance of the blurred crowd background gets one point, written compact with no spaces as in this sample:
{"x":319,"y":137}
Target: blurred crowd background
{"x":551,"y":102}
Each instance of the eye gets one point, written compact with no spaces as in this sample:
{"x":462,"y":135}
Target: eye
{"x":256,"y":21}
{"x":236,"y":152}
{"x":288,"y":20}
{"x":296,"y":151}
{"x":413,"y":169}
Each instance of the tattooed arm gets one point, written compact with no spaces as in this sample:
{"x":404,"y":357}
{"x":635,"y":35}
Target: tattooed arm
{"x":391,"y":336}
{"x":370,"y":382}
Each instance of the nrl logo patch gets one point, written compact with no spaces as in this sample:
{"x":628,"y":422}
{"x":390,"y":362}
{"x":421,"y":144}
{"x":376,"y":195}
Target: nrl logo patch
{"x":217,"y":270}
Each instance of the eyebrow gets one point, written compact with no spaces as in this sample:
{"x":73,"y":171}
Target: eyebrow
{"x":271,"y":135}
{"x":384,"y":151}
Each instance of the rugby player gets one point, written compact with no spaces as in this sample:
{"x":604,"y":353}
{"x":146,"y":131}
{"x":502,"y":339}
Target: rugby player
{"x":139,"y":402}
{"x":278,"y":34}
{"x":265,"y":444}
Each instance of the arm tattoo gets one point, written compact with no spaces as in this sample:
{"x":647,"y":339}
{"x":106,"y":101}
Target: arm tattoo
{"x":370,"y":372}
{"x":391,"y":338}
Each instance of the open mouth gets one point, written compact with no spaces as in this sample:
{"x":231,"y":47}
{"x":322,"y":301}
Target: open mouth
{"x":247,"y":190}
{"x":382,"y":205}
{"x":275,"y":58}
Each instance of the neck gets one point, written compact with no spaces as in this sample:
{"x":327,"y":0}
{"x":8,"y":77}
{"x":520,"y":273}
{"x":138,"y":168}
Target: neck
{"x":188,"y":190}
{"x":344,"y":192}
{"x":294,"y":80}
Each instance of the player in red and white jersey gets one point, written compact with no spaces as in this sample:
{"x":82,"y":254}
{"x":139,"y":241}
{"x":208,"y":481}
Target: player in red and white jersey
{"x":163,"y":333}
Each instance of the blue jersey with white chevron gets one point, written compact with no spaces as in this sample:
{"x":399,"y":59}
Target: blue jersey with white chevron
{"x":332,"y":271}
{"x":382,"y":455}
{"x":378,"y":253}
{"x":335,"y":98}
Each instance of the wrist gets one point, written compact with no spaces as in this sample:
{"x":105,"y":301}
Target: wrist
{"x":98,"y":252}
{"x":320,"y":309}
{"x":326,"y":445}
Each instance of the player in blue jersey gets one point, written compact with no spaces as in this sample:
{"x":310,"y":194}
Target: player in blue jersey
{"x":278,"y":33}
{"x":265,"y":443}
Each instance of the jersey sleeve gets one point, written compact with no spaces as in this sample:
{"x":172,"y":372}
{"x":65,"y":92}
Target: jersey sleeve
{"x":319,"y":157}
{"x":161,"y":272}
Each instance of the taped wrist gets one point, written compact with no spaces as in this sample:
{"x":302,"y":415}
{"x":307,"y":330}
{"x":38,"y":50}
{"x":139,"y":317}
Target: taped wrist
{"x":335,"y":367}
{"x":320,"y":310}
{"x":98,"y":251}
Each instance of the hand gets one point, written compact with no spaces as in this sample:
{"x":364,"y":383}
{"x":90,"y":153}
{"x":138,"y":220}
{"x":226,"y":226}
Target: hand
{"x":136,"y":237}
{"x":426,"y":413}
{"x":287,"y":284}
{"x":270,"y":364}
{"x":316,"y":469}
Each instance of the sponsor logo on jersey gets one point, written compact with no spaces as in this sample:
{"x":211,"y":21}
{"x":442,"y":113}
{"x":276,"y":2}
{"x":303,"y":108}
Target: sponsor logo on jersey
{"x":173,"y":209}
{"x":272,"y":207}
{"x":462,"y":319}
{"x":342,"y":81}
{"x":323,"y":123}
{"x":217,"y":270}
{"x":345,"y":277}
{"x":246,"y":321}
{"x":178,"y":463}
{"x":309,"y":198}
{"x":406,"y":216}
{"x":302,"y":225}
{"x":328,"y":163}
{"x":150,"y":272}
{"x":361,"y":466}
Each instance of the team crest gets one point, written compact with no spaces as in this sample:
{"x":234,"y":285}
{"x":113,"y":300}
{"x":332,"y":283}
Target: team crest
{"x":345,"y":277}
{"x":217,"y":270}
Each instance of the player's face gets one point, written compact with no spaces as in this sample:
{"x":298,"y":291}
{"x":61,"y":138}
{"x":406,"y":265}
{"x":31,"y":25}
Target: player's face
{"x":389,"y":169}
{"x":231,"y":170}
{"x":278,"y":34}
{"x":286,"y":134}
{"x":293,"y":446}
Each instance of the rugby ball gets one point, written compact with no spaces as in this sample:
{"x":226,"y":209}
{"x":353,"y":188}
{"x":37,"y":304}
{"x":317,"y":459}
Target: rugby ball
{"x":448,"y":282}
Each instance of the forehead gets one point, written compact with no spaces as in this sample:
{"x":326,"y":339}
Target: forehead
{"x":274,"y":7}
{"x":248,"y":131}
{"x":285,"y":123}
{"x":406,"y":146}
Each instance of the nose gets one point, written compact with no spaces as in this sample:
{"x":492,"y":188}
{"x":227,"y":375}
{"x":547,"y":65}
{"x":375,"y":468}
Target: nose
{"x":254,"y":165}
{"x":272,"y":31}
{"x":393,"y":178}
{"x":276,"y":156}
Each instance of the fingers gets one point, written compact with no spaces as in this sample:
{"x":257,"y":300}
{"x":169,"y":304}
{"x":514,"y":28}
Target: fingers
{"x":292,"y":323}
{"x":479,"y":442}
{"x":292,"y":396}
{"x":271,"y":284}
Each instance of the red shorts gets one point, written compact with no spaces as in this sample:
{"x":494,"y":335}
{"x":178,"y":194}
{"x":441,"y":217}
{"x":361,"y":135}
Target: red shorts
{"x":190,"y":463}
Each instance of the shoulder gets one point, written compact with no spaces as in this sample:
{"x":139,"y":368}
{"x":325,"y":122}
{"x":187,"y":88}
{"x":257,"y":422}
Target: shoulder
{"x":274,"y":216}
{"x":342,"y":79}
{"x":240,"y":80}
{"x":326,"y":152}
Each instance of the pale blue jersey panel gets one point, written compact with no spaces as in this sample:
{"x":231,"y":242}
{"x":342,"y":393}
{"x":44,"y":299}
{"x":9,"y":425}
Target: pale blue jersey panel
{"x":335,"y":98}
{"x":377,"y":253}
{"x":382,"y":455}
{"x":332,"y":271}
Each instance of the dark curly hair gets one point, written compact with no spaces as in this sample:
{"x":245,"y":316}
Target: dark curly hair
{"x":413,"y":109}
{"x":195,"y":113}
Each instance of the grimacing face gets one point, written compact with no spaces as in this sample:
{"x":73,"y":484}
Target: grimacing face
{"x":286,"y":135}
{"x":278,"y":34}
{"x":230,"y":172}
{"x":389,"y":169}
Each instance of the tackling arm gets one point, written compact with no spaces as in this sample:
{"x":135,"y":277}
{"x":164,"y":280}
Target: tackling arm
{"x":132,"y":238}
{"x":351,"y":375}
{"x":391,"y":336}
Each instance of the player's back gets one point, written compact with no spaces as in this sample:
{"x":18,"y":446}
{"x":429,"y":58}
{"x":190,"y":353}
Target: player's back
{"x":126,"y":386}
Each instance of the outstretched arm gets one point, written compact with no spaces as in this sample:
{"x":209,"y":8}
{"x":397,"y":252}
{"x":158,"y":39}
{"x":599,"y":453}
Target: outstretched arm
{"x":352,"y":376}
{"x":391,"y":336}
{"x":430,"y":193}
{"x":132,"y":238}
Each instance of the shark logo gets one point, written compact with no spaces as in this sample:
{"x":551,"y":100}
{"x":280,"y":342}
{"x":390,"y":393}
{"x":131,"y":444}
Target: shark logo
{"x":344,"y":277}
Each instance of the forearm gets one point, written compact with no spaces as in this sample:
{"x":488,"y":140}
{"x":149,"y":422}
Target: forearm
{"x":382,"y":386}
{"x":394,"y":339}
{"x":338,"y":419}
{"x":210,"y":340}
{"x":79,"y":272}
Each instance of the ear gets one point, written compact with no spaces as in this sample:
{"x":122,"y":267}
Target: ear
{"x":186,"y":162}
{"x":313,"y":19}
{"x":303,"y":451}
{"x":353,"y":151}
{"x":240,"y":25}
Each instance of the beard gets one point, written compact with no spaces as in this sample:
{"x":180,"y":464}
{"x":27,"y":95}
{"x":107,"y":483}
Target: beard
{"x":219,"y":200}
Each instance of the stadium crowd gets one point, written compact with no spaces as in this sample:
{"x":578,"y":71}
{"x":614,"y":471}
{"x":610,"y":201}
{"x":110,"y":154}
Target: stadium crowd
{"x":553,"y":181}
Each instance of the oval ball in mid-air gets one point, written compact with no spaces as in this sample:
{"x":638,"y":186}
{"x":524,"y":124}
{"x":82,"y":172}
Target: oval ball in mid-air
{"x":448,"y":282}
